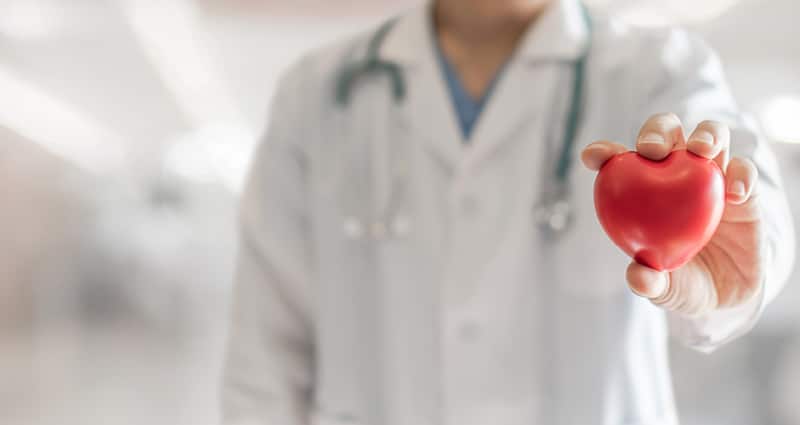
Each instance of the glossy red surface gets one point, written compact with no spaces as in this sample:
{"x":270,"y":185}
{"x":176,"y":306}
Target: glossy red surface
{"x":661,"y":213}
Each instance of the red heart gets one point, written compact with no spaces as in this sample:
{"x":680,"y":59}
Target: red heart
{"x":661,"y":213}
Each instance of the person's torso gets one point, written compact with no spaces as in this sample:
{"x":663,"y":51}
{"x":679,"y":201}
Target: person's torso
{"x":471,"y":315}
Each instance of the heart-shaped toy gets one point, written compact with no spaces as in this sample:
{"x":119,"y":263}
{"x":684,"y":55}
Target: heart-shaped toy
{"x":661,"y":213}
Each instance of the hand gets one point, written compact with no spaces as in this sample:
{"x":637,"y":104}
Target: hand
{"x":728,"y":270}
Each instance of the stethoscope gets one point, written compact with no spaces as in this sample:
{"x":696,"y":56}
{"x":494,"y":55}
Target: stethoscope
{"x":553,"y":212}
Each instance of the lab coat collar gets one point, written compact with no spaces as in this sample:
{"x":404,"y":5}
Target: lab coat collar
{"x":410,"y":40}
{"x":559,"y":34}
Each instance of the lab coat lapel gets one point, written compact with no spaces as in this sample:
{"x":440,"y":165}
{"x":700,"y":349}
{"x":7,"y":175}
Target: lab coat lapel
{"x":533,"y":81}
{"x":427,"y":109}
{"x":522,"y":95}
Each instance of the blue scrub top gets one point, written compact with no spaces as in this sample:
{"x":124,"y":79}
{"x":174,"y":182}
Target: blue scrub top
{"x":467,"y":108}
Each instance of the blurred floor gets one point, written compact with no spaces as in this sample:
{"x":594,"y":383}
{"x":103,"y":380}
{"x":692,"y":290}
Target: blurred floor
{"x":125,"y":374}
{"x":122,"y":334}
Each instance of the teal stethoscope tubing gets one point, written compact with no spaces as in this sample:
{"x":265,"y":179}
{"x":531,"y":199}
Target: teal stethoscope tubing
{"x":554,"y":211}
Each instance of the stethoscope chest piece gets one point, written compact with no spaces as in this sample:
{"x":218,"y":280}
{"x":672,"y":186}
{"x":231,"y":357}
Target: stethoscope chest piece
{"x":554,"y":213}
{"x":353,"y":228}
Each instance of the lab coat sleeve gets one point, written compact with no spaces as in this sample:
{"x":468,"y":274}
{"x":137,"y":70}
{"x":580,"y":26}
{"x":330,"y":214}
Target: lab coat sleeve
{"x":686,"y":78}
{"x":267,"y":376}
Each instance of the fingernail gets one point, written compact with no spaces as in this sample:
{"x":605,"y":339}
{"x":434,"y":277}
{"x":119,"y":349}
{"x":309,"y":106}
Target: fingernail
{"x":652,"y":138}
{"x":702,"y":136}
{"x":737,"y":188}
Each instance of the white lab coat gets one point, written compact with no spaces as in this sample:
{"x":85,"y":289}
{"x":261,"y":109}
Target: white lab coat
{"x":473,"y":317}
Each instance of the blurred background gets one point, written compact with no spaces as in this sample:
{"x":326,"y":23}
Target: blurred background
{"x":126,"y":127}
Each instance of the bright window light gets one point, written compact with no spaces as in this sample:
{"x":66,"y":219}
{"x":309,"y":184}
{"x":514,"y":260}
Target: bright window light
{"x":780,"y":118}
{"x":59,"y":127}
{"x":219,"y":152}
{"x":29,"y":19}
{"x":170,"y":36}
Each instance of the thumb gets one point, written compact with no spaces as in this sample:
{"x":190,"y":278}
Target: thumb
{"x":689,"y":290}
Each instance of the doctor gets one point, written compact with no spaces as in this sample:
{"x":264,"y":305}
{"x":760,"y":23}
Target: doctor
{"x":417,"y":248}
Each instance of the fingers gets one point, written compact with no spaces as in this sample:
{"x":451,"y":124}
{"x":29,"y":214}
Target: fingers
{"x":646,"y":282}
{"x":711,"y":139}
{"x":659,"y":135}
{"x":597,"y":153}
{"x":687,"y":291}
{"x":740,"y":180}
